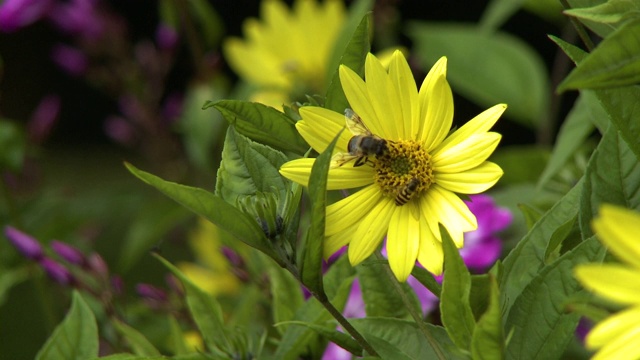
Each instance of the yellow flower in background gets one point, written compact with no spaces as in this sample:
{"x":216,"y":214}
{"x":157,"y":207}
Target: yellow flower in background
{"x":409,"y":184}
{"x":211,"y":272}
{"x":618,"y":336}
{"x":286,"y":54}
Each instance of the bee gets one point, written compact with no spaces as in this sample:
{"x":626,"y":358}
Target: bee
{"x":406,"y":192}
{"x":363,"y":143}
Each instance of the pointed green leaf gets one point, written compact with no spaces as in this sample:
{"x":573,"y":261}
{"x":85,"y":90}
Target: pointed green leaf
{"x":404,"y":337}
{"x":212,"y":208}
{"x":540,"y":324}
{"x":574,"y":131}
{"x":557,"y":238}
{"x":205,"y":311}
{"x":339,"y":338}
{"x":610,"y":12}
{"x":498,"y":12}
{"x":311,"y":266}
{"x":488,"y":338}
{"x":573,"y":52}
{"x":136,"y":340}
{"x":531,"y":215}
{"x":353,"y":57}
{"x":612,"y":176}
{"x":261,"y":123}
{"x":504,"y":70}
{"x":138,"y":357}
{"x":177,"y":342}
{"x":455,"y":309}
{"x":614,"y":62}
{"x":427,"y":280}
{"x":520,"y":163}
{"x":525,"y":261}
{"x":76,"y":337}
{"x":286,"y":292}
{"x":600,"y":29}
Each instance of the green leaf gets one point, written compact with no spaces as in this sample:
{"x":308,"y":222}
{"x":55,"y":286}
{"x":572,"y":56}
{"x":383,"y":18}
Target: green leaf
{"x":261,"y":123}
{"x":540,"y":324}
{"x":404,"y":337}
{"x":177,"y":342}
{"x":531,"y":215}
{"x":208,"y":22}
{"x":488,"y":338}
{"x":610,"y":12}
{"x":311,"y":266}
{"x":212,"y":208}
{"x":286,"y":292}
{"x":9,"y":277}
{"x":600,"y":29}
{"x":504,"y":68}
{"x":379,"y":298}
{"x":136,"y":340}
{"x":247,"y":168}
{"x":427,"y":280}
{"x":574,"y":131}
{"x":76,"y":337}
{"x":205,"y":311}
{"x":614,"y":62}
{"x":341,"y":339}
{"x":520,"y":163}
{"x":353,"y":57}
{"x":524,"y":262}
{"x":557,"y":238}
{"x":612,"y":176}
{"x":201,"y":130}
{"x":455,"y":309}
{"x":13,"y":146}
{"x":498,"y":12}
{"x":573,"y":52}
{"x":137,"y":357}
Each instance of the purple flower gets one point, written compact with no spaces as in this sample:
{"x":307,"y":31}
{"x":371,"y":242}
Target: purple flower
{"x":57,"y":272}
{"x":70,"y":59}
{"x":166,"y":37}
{"x":96,"y":263}
{"x":151,"y":292}
{"x":68,"y":252}
{"x":78,"y":17}
{"x":43,"y":118}
{"x":120,"y":130}
{"x":27,"y":245}
{"x":16,"y":14}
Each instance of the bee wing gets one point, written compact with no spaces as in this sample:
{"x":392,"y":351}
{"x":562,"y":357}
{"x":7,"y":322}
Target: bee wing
{"x":340,"y":159}
{"x":355,"y":124}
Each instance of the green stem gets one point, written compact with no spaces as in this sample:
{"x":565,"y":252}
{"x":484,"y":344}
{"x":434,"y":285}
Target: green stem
{"x":417,"y":317}
{"x":582,"y":32}
{"x":346,"y":325}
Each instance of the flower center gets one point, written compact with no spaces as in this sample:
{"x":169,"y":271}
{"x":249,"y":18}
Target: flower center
{"x":403,"y":171}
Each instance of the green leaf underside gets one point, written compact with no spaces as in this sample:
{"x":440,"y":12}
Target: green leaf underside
{"x":504,"y":70}
{"x":612,"y":176}
{"x":76,"y":337}
{"x":610,"y":12}
{"x":614,"y":62}
{"x":286,"y":292}
{"x":261,"y":123}
{"x":455,"y":309}
{"x":212,"y":208}
{"x":542,"y":326}
{"x":353,"y":57}
{"x":375,"y":286}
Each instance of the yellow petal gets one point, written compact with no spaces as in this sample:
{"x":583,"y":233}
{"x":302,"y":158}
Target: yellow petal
{"x":478,"y":125}
{"x":612,"y":281}
{"x":439,"y":115}
{"x":452,"y":212}
{"x":239,"y":55}
{"x":619,"y":229}
{"x":624,"y":347}
{"x":370,"y":231}
{"x":405,"y":85}
{"x":352,"y":209}
{"x":356,"y":92}
{"x":344,"y":177}
{"x":473,"y":181}
{"x":384,"y":99}
{"x":403,"y":241}
{"x":430,"y":254}
{"x":614,"y":327}
{"x":467,"y":154}
{"x":335,"y":242}
{"x":426,"y":97}
{"x":320,"y":126}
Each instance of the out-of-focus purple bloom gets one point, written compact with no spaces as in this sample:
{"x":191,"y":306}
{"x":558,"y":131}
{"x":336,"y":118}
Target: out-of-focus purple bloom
{"x":27,"y":245}
{"x":354,"y":308}
{"x":151,"y":292}
{"x":68,"y":252}
{"x":172,"y":107}
{"x":117,"y":284}
{"x":481,"y":247}
{"x":43,"y":118}
{"x":16,"y":14}
{"x":584,"y":326}
{"x":70,"y":59}
{"x":166,"y":37}
{"x":120,"y":130}
{"x":57,"y":272}
{"x":96,"y":263}
{"x":78,"y":17}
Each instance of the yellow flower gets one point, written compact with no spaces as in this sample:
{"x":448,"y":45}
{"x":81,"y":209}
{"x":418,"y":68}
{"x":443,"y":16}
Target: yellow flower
{"x":286,"y":54}
{"x":212,"y":271}
{"x":618,"y":336}
{"x":411,"y":186}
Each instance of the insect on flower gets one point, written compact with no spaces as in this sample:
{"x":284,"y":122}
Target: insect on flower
{"x":363,"y":143}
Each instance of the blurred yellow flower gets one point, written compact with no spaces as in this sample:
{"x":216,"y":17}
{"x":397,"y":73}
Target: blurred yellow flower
{"x":286,"y":54}
{"x":618,"y":336}
{"x":211,"y":272}
{"x":410,"y":182}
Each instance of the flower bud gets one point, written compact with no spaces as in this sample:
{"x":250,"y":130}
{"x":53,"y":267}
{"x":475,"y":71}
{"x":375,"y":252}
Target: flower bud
{"x":96,"y":263}
{"x":57,"y":272}
{"x":27,"y":245}
{"x":69,"y":253}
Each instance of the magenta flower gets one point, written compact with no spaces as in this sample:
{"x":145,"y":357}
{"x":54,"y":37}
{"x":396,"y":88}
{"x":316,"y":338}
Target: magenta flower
{"x":16,"y":14}
{"x":166,"y":37}
{"x":78,"y":17}
{"x":57,"y":272}
{"x":69,"y":253}
{"x":43,"y":118}
{"x":26,"y":244}
{"x":70,"y":59}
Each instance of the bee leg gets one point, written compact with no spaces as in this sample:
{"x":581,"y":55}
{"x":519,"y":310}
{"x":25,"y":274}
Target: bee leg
{"x":360,"y":161}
